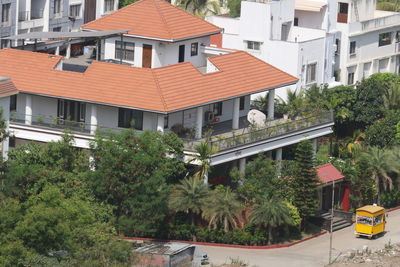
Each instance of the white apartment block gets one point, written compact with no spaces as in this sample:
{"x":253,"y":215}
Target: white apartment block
{"x":24,"y":16}
{"x":320,"y":42}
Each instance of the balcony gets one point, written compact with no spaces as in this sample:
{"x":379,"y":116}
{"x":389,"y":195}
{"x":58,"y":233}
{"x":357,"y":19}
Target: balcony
{"x":37,"y":14}
{"x":24,"y":16}
{"x":252,"y":134}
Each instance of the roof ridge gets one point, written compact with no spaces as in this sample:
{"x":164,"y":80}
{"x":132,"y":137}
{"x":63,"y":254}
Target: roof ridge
{"x":159,"y":89}
{"x":162,"y":18}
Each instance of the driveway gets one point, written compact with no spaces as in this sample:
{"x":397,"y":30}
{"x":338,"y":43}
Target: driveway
{"x":314,"y":252}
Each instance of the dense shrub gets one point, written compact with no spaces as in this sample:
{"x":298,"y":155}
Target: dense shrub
{"x":390,"y":199}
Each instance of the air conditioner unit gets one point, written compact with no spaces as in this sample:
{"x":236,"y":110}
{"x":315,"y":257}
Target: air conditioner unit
{"x":209,"y":116}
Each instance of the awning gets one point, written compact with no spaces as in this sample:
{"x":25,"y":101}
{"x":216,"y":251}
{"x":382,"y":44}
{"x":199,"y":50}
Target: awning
{"x":309,"y":5}
{"x":327,"y":173}
{"x":60,"y":35}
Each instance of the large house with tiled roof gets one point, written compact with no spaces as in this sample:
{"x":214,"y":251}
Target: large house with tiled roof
{"x":158,"y":34}
{"x":177,"y":98}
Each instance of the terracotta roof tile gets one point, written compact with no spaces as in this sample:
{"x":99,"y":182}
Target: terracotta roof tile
{"x":164,"y":89}
{"x":7,"y":87}
{"x":154,"y":19}
{"x":328,"y":173}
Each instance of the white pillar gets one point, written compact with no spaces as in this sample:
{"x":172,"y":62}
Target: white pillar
{"x":235,"y":119}
{"x":160,"y":123}
{"x":278,"y":159}
{"x":242,"y":165}
{"x":314,"y":147}
{"x":93,"y":118}
{"x":57,"y":50}
{"x":199,"y":122}
{"x":28,"y":109}
{"x":68,"y":53}
{"x":271,"y":97}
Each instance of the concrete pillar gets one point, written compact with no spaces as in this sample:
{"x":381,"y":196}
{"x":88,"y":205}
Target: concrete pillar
{"x":278,"y":158}
{"x":242,"y":165}
{"x":235,"y":119}
{"x":68,"y":53}
{"x":314,"y":147}
{"x":199,"y":122}
{"x":271,"y":109}
{"x":57,"y":51}
{"x":28,"y":109}
{"x":160,"y":123}
{"x":93,"y":118}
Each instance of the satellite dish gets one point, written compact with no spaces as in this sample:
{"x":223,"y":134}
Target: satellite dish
{"x":256,"y":117}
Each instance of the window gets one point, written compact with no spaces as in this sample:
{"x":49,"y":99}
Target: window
{"x":5,"y":14}
{"x":352,"y":50}
{"x":71,"y":110}
{"x":364,"y":220}
{"x":194,"y":49}
{"x":166,"y":121}
{"x":57,"y":7}
{"x":75,"y":11}
{"x":350,"y":78}
{"x":398,"y":37}
{"x":4,"y":43}
{"x":13,"y":103}
{"x":241,"y":103}
{"x":217,"y":109}
{"x":253,"y":45}
{"x":296,"y":22}
{"x":108,"y":6}
{"x":385,"y":38}
{"x":343,"y":8}
{"x":337,"y":42}
{"x":128,"y":118}
{"x":56,"y":29}
{"x":311,"y":72}
{"x":125,"y":50}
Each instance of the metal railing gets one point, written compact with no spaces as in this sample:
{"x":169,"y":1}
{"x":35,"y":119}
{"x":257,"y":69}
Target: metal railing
{"x":24,"y":16}
{"x":56,"y":123}
{"x":253,"y":134}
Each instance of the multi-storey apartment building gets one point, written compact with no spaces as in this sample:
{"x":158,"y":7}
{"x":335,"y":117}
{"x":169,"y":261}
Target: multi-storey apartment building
{"x":23,"y":16}
{"x":317,"y":41}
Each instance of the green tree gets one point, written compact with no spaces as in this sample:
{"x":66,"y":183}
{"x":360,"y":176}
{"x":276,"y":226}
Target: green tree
{"x":270,"y":212}
{"x":234,"y":8}
{"x":204,"y":151}
{"x":124,"y":3}
{"x":382,"y":133}
{"x":190,"y":196}
{"x":380,"y":163}
{"x":200,"y":8}
{"x":391,"y":96}
{"x":132,"y":172}
{"x":389,"y":5}
{"x":305,"y":181}
{"x":223,"y":208}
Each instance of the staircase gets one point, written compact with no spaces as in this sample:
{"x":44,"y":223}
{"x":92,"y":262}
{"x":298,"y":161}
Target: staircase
{"x":338,"y":222}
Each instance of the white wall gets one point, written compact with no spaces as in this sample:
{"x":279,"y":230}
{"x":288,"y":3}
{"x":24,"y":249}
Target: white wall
{"x":313,"y":20}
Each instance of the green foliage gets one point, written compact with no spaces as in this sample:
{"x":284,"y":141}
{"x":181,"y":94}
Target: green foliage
{"x":389,"y":5}
{"x":382,"y":133}
{"x":124,"y":3}
{"x":200,"y":8}
{"x":234,"y":8}
{"x":305,"y":182}
{"x":204,"y":150}
{"x":390,"y":199}
{"x":294,"y":215}
{"x":247,"y":236}
{"x":132,"y":173}
{"x":223,"y":208}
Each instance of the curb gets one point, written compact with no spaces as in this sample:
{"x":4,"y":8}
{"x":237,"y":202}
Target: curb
{"x":227,"y":245}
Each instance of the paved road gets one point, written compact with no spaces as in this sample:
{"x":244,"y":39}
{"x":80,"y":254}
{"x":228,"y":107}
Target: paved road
{"x":310,"y":253}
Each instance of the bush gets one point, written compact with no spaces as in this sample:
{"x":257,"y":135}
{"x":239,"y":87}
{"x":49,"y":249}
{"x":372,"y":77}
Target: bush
{"x":246,"y":236}
{"x":390,"y":199}
{"x":382,"y":133}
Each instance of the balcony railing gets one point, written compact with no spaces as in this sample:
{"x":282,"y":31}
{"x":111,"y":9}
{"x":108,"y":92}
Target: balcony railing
{"x":253,"y":134}
{"x":24,"y":16}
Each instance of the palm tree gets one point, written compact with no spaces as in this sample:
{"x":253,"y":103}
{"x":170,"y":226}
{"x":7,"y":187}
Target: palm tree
{"x":200,"y":8}
{"x":202,"y":159}
{"x":391,"y":96}
{"x":223,"y":207}
{"x":270,"y":213}
{"x":189,"y":196}
{"x":381,"y":162}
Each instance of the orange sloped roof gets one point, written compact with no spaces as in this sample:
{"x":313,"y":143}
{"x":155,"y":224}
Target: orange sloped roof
{"x":7,"y":87}
{"x":328,"y":173}
{"x":164,"y":89}
{"x":154,"y":19}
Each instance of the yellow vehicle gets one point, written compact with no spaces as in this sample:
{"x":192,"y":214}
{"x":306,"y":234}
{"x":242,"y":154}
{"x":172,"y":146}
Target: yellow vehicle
{"x":370,"y":221}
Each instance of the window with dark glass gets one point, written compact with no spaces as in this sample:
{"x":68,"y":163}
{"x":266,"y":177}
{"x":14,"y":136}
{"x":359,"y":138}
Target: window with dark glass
{"x":126,"y":50}
{"x":311,"y":73}
{"x":350,"y":78}
{"x":352,"y":50}
{"x":398,"y":37}
{"x":5,"y":14}
{"x":296,"y":22}
{"x":241,"y":103}
{"x":71,"y":110}
{"x":13,"y":103}
{"x":166,"y":121}
{"x":129,"y":118}
{"x":385,"y":38}
{"x":194,"y":49}
{"x":56,"y":29}
{"x":75,"y":11}
{"x":57,"y":7}
{"x":217,"y":109}
{"x":253,"y":45}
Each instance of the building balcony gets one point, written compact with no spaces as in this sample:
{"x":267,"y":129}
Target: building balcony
{"x":225,"y":139}
{"x":24,"y":16}
{"x":37,"y":14}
